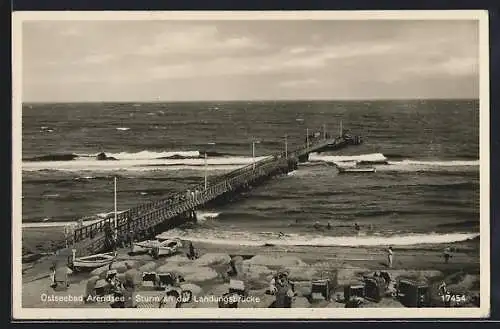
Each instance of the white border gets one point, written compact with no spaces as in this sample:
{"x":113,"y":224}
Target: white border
{"x":20,"y":313}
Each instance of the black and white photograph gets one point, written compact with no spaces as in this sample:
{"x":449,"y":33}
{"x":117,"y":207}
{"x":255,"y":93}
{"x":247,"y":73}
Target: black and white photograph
{"x":260,"y":161}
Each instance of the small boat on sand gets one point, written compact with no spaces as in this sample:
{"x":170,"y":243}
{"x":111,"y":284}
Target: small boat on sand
{"x":88,"y":263}
{"x":166,"y":248}
{"x":144,"y":246}
{"x":347,"y":170}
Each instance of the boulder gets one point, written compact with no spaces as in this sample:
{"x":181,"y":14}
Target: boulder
{"x":298,"y":274}
{"x":90,"y":285}
{"x":169,"y":268}
{"x":121,"y":277}
{"x":195,"y":290}
{"x":250,"y":271}
{"x":303,"y":288}
{"x":123,"y":266}
{"x":100,"y":272}
{"x":211,"y":259}
{"x":148,"y":267}
{"x":178,"y":260}
{"x":219,"y":290}
{"x":237,"y":259}
{"x":200,"y":274}
{"x":134,"y":276}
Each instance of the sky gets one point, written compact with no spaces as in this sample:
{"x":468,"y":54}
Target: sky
{"x":79,"y":61}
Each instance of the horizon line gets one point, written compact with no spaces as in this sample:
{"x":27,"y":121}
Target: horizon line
{"x":254,"y":100}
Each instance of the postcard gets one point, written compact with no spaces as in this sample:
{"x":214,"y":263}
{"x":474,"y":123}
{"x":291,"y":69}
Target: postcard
{"x":333,"y":163}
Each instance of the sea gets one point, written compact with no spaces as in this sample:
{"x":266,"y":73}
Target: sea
{"x":427,"y":191}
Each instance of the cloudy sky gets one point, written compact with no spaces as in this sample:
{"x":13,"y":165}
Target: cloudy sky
{"x":248,"y":60}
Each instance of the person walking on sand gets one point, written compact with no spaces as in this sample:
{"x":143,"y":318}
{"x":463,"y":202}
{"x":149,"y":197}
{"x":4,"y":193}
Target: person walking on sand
{"x":357,"y":228}
{"x":447,"y":254}
{"x":390,"y":255}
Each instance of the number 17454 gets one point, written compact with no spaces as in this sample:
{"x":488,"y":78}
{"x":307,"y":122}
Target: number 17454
{"x":454,"y":298}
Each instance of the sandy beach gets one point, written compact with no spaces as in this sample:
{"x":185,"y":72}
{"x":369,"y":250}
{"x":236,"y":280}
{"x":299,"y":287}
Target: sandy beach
{"x":207,"y":275}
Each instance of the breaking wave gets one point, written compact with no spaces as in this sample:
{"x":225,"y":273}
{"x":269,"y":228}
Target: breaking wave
{"x":139,"y":161}
{"x":271,"y":238}
{"x":383,"y":163}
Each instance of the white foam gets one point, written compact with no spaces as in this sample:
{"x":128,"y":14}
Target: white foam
{"x":123,"y":128}
{"x":373,"y":157}
{"x":144,"y":155}
{"x":56,"y":224}
{"x":452,"y":163}
{"x":203,"y":216}
{"x":256,"y":239}
{"x":86,"y":164}
{"x":412,"y":165}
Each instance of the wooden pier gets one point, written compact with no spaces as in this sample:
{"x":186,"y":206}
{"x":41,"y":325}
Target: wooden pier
{"x":179,"y":208}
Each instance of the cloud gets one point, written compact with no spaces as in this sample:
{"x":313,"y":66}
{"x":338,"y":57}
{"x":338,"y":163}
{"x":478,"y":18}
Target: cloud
{"x":195,"y":41}
{"x":246,"y":59}
{"x":299,"y":83}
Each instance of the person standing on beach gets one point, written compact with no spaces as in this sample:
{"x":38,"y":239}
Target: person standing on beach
{"x":447,"y":254}
{"x":357,"y":228}
{"x":390,"y":255}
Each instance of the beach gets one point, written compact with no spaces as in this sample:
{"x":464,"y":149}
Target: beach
{"x":206,"y":277}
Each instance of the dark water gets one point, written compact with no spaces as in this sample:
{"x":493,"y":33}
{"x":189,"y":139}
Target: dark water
{"x":430,"y":186}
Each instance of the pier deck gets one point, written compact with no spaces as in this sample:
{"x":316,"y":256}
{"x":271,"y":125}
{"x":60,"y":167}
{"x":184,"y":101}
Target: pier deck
{"x":179,"y":208}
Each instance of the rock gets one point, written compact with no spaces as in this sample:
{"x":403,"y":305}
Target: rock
{"x":300,"y":302}
{"x":169,"y":268}
{"x":219,"y":290}
{"x":213,"y":259}
{"x":237,"y":259}
{"x":178,"y":260}
{"x":101,"y":156}
{"x":297,"y":274}
{"x":148,"y":267}
{"x":123,"y":266}
{"x":201,"y":274}
{"x":253,"y":272}
{"x":303,"y":288}
{"x":90,"y":285}
{"x":134,"y":276}
{"x":100,"y":272}
{"x":121,"y":277}
{"x":196,"y":290}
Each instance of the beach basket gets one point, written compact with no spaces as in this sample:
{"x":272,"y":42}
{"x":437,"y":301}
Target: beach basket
{"x":374,"y":288}
{"x":412,"y":293}
{"x":167,"y":279}
{"x":149,"y":279}
{"x":354,"y":291}
{"x":101,"y":287}
{"x":229,"y":300}
{"x":238,"y":287}
{"x":322,"y":287}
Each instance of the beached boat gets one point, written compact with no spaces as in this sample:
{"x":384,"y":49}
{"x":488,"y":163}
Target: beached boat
{"x":144,"y":246}
{"x":356,"y":170}
{"x":166,"y":248}
{"x":89,"y":263}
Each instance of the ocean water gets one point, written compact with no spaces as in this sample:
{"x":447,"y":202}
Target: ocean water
{"x":427,"y":192}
